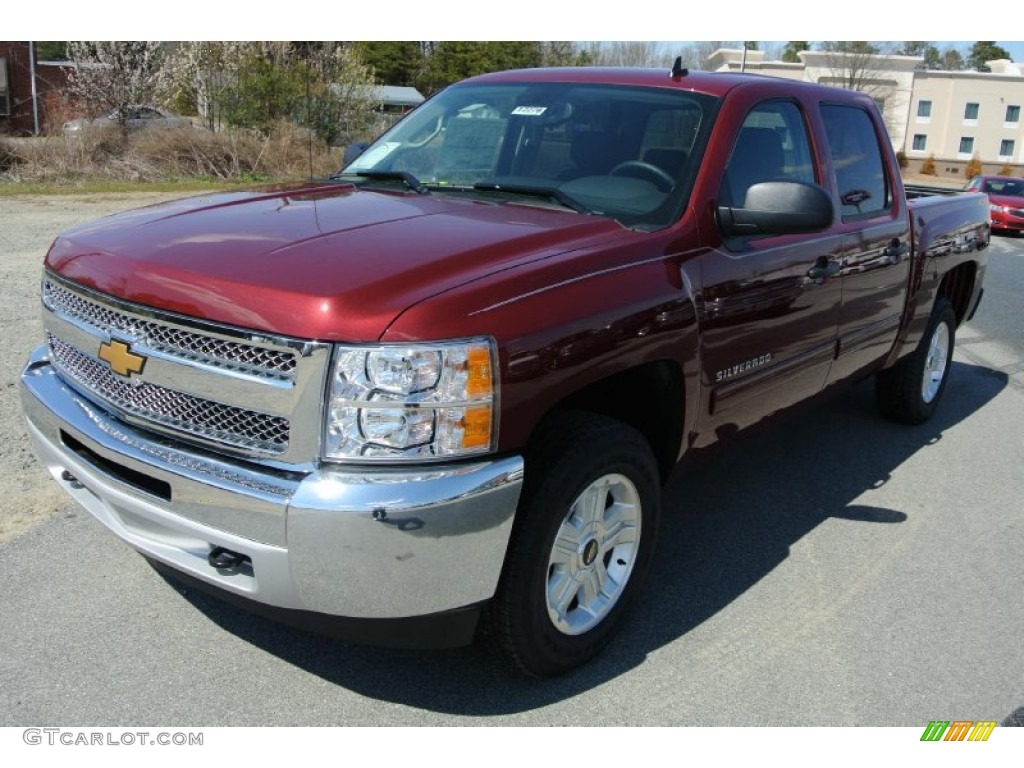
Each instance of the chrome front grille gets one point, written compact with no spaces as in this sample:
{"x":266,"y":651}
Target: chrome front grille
{"x":183,"y":413}
{"x":244,"y":393}
{"x":175,"y":342}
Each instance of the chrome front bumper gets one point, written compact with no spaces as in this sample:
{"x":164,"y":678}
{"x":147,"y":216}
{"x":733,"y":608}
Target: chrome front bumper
{"x":352,"y":542}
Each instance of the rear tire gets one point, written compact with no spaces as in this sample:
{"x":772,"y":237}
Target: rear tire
{"x":583,"y":541}
{"x":910,"y":391}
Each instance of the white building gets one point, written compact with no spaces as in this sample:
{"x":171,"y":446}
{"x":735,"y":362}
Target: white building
{"x":948,"y":116}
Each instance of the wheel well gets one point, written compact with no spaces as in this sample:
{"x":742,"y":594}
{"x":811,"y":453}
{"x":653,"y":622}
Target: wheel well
{"x":957,"y":286}
{"x":649,"y":398}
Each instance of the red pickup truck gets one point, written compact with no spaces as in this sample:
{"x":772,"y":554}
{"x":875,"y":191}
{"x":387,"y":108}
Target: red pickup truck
{"x":437,"y":395}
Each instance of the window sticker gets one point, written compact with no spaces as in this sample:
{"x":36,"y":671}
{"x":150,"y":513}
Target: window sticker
{"x":375,"y":155}
{"x":529,"y":111}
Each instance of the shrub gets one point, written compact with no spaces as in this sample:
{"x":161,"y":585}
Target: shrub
{"x":973,"y":167}
{"x":104,"y":152}
{"x":928,"y":166}
{"x":8,"y":157}
{"x":901,"y":158}
{"x":1006,"y":170}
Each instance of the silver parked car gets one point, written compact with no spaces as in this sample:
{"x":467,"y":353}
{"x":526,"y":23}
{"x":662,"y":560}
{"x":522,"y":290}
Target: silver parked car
{"x":138,"y":118}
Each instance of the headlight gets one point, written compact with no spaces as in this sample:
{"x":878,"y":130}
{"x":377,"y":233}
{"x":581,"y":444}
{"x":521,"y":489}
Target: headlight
{"x":411,"y":402}
{"x":998,"y":208}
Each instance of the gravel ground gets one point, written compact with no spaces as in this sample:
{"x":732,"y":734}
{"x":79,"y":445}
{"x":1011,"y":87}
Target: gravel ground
{"x":28,"y":225}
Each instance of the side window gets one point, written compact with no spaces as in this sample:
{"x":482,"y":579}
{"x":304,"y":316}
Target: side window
{"x":857,"y":160}
{"x":772,"y":145}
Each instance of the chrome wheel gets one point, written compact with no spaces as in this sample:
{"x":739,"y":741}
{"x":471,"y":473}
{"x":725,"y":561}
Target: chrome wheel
{"x":593,"y":554}
{"x":935,"y":363}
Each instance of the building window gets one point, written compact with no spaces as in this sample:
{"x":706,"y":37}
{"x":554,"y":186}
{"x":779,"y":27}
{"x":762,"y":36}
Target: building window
{"x":5,"y":91}
{"x":1012,"y":115}
{"x":924,"y":111}
{"x":966,"y":146}
{"x":1006,"y":149}
{"x":920,"y":142}
{"x":971,"y":113}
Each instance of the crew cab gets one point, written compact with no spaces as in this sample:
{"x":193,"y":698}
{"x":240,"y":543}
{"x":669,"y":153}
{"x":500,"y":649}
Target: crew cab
{"x":437,"y":394}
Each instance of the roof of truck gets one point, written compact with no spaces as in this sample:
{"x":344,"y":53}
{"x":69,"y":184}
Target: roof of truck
{"x":712,"y":83}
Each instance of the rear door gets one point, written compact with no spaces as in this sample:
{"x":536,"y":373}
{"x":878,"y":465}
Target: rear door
{"x":875,"y":230}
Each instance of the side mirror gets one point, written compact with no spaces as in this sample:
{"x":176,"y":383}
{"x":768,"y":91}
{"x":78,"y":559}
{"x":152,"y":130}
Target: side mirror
{"x":352,"y":151}
{"x":778,"y":208}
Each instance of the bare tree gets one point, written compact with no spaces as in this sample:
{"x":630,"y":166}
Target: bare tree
{"x":114,"y":75}
{"x":773,"y":51}
{"x":862,"y":66}
{"x":629,"y":53}
{"x":696,"y":55}
{"x":858,"y":66}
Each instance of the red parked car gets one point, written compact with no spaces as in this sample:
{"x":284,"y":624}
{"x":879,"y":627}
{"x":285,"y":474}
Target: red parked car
{"x":1005,"y":199}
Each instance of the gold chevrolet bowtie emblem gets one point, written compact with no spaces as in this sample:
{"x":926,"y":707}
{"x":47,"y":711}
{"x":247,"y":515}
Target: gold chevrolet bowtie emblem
{"x":121,"y":359}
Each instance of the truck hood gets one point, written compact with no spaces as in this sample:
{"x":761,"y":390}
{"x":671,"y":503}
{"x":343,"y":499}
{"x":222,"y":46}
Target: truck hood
{"x":323,"y":261}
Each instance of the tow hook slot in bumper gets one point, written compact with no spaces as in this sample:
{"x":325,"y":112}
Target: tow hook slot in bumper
{"x":224,"y":559}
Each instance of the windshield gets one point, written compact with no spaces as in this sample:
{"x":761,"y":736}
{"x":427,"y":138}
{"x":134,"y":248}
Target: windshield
{"x":629,"y":153}
{"x":1008,"y":187}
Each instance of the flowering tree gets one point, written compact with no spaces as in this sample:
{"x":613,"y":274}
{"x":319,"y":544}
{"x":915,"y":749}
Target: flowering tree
{"x":108,"y":75}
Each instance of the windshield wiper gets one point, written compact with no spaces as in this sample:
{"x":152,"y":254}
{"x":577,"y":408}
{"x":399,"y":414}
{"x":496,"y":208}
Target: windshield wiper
{"x":410,"y":181}
{"x":532,"y":190}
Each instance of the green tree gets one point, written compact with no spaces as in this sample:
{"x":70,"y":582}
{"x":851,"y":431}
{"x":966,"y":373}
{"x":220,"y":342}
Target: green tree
{"x":451,"y":61}
{"x":952,"y":60}
{"x":793,"y":47}
{"x":52,"y":50}
{"x":323,"y":86}
{"x":563,"y":53}
{"x":912,"y":48}
{"x":932,"y":57}
{"x":985,"y":50}
{"x":394,"y":62}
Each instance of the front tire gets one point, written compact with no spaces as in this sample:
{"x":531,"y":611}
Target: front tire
{"x":584,"y":538}
{"x":910,"y":391}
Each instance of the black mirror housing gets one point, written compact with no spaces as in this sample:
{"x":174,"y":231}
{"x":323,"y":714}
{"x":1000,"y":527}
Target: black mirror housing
{"x":779,"y":208}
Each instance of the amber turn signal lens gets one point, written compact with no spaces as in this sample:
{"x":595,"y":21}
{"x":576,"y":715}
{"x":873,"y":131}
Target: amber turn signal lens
{"x":478,"y":369}
{"x":476,"y":427}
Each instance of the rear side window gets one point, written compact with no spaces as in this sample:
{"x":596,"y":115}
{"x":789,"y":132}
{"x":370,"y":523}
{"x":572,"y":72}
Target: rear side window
{"x":772,"y":145}
{"x":857,"y":159}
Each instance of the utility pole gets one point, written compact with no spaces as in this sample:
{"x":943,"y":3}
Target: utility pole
{"x":35,"y":94}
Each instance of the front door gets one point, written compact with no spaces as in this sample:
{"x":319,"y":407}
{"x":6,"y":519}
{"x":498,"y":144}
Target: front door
{"x":770,"y":303}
